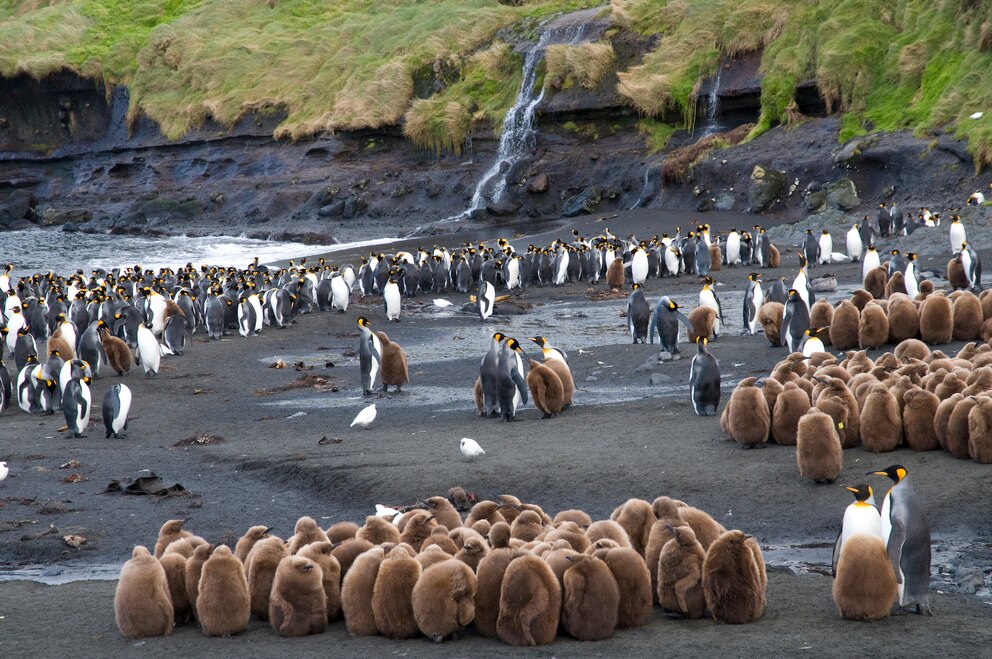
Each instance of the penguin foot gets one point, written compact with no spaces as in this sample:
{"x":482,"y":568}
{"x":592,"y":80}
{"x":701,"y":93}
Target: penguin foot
{"x":924,"y":609}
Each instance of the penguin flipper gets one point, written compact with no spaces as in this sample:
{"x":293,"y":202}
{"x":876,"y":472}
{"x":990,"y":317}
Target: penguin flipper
{"x":652,"y":325}
{"x":836,"y":554}
{"x":518,"y":379}
{"x":685,"y":320}
{"x":897,"y":538}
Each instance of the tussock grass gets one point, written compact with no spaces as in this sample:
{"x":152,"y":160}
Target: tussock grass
{"x":678,"y":166}
{"x":584,"y":64}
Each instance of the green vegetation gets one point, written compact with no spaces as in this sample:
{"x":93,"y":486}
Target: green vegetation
{"x":657,"y":133}
{"x":584,"y":64}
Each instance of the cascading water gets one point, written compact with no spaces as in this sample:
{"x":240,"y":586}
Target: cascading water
{"x":519,"y":136}
{"x":712,"y":105}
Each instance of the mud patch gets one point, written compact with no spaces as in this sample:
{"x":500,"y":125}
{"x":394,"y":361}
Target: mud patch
{"x":201,"y":439}
{"x":315,"y":382}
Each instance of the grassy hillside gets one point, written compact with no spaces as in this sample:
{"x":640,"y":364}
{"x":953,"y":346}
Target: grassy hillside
{"x":437,"y":67}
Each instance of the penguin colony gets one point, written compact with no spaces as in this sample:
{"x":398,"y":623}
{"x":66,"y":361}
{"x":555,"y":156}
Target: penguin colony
{"x":507,"y":569}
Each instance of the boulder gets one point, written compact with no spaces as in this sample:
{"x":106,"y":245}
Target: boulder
{"x":52,"y":216}
{"x":503,"y":208}
{"x":765,"y":187}
{"x":333,"y":209}
{"x":538,"y":184}
{"x":17,"y":206}
{"x":843,"y":194}
{"x":583,"y":203}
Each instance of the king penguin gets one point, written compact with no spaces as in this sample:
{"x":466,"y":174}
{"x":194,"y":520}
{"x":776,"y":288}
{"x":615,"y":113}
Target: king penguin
{"x":802,"y":285}
{"x":795,"y":322}
{"x":391,"y":297}
{"x":369,"y":355}
{"x":511,"y":385}
{"x":489,"y":375}
{"x":708,"y":298}
{"x":116,"y":405}
{"x":486,"y":299}
{"x":753,"y":299}
{"x":826,"y":247}
{"x":704,"y":380}
{"x":871,"y":261}
{"x":860,"y":517}
{"x":665,"y":320}
{"x":854,"y":246}
{"x":911,"y":276}
{"x":149,"y":353}
{"x":811,"y":250}
{"x":957,"y":234}
{"x":638,"y":265}
{"x":906,"y":534}
{"x":76,"y":406}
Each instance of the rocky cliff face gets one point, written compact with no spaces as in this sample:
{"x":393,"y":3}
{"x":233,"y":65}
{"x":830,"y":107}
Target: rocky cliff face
{"x":68,"y":157}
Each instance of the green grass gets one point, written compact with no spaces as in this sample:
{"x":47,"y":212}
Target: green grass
{"x":656,"y":133}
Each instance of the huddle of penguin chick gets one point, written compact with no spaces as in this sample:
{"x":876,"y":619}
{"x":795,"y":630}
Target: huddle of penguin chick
{"x":502,"y":385}
{"x":508,"y":570}
{"x":912,"y":397}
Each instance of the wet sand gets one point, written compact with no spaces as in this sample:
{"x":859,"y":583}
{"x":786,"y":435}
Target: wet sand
{"x":631,"y":433}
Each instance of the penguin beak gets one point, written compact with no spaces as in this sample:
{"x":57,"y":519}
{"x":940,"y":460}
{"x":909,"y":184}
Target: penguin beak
{"x":429,"y":518}
{"x":335,"y":545}
{"x":875,"y":473}
{"x":182,"y":522}
{"x":670,"y":528}
{"x":851,"y":489}
{"x":570,"y":558}
{"x":308,"y":567}
{"x":268,"y":530}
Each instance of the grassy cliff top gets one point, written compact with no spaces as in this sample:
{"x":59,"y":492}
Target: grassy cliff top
{"x":437,"y":67}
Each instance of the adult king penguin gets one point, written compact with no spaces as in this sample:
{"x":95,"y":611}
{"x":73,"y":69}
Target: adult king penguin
{"x":753,"y":299}
{"x":802,"y":285}
{"x":906,"y":534}
{"x":486,"y":299}
{"x":489,"y":376}
{"x":391,"y":297}
{"x":369,"y":355}
{"x":666,"y":319}
{"x":795,"y":322}
{"x":854,"y":245}
{"x":871,"y":261}
{"x":511,"y":385}
{"x":638,"y":265}
{"x":638,"y":314}
{"x":826,"y":247}
{"x":704,"y":380}
{"x":957,"y":234}
{"x":708,"y":298}
{"x":860,"y":517}
{"x":116,"y":405}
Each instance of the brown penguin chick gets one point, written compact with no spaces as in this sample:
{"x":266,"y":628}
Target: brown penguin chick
{"x":968,"y":319}
{"x":341,"y":531}
{"x":444,"y":599}
{"x":223,"y":605}
{"x":615,"y":274}
{"x":545,"y":518}
{"x":734,"y":579}
{"x":950,"y":385}
{"x":770,"y":318}
{"x":174,"y":565}
{"x":487,"y":510}
{"x":348,"y":551}
{"x":590,"y":598}
{"x":490,"y":572}
{"x":509,"y":506}
{"x":774,"y":257}
{"x":564,"y":374}
{"x":979,"y":381}
{"x":834,"y":371}
{"x":865,"y":584}
{"x":791,"y":368}
{"x":431,"y":555}
{"x":526,"y":526}
{"x":748,"y":420}
{"x":608,"y":529}
{"x":418,"y":527}
{"x":985,"y":297}
{"x":937,"y":320}
{"x":967,"y":351}
{"x":61,"y":346}
{"x":321,"y":554}
{"x":980,"y":431}
{"x":298,"y":606}
{"x":875,"y":282}
{"x":881,"y":425}
{"x":118,"y":352}
{"x":248,"y":540}
{"x":472,"y":552}
{"x":263,"y":561}
{"x":920,"y":408}
{"x":873,"y":331}
{"x":392,"y":606}
{"x":602,"y":543}
{"x":771,"y":390}
{"x":479,"y":396}
{"x":170,"y":531}
{"x":393,"y":370}
{"x":860,"y":298}
{"x":899,"y":386}
{"x":909,"y":349}
{"x":702,"y":320}
{"x":790,"y":406}
{"x":545,"y":389}
{"x":818,"y":451}
{"x":821,"y":314}
{"x":183,"y":547}
{"x":904,"y":322}
{"x":463,"y":533}
{"x":194,"y":570}
{"x":580,"y":517}
{"x":838,"y":401}
{"x":571,"y":533}
{"x":859,"y":362}
{"x":926,"y":290}
{"x":172,"y":309}
{"x":142,"y":603}
{"x":955,"y":274}
{"x":633,"y":583}
{"x":378,"y":530}
{"x":306,"y":531}
{"x":680,"y":574}
{"x":706,"y":528}
{"x":356,"y":593}
{"x":444,"y":512}
{"x":636,"y":518}
{"x":666,"y":512}
{"x":483,"y":527}
{"x":958,"y":428}
{"x":716,"y":257}
{"x":896,"y":284}
{"x":439,"y":538}
{"x":529,"y":603}
{"x":942,"y":418}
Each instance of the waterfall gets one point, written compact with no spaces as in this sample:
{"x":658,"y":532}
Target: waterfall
{"x":712,"y":105}
{"x":519,"y":135}
{"x":644,"y":198}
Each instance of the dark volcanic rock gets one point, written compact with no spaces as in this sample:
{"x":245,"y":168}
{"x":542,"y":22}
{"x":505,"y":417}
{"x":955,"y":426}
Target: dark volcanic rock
{"x":19,"y":205}
{"x":504,"y":208}
{"x":538,"y":184}
{"x":843,"y":194}
{"x":52,"y":216}
{"x":583,"y":203}
{"x":767,"y":184}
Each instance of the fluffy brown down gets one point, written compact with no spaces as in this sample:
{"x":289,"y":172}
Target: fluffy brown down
{"x":297,"y":605}
{"x":881,"y":425}
{"x":734,"y":579}
{"x":919,"y":410}
{"x":589,"y":599}
{"x":865,"y":585}
{"x":171,"y":531}
{"x":60,"y":345}
{"x":821,"y":314}
{"x":942,"y":418}
{"x":263,"y":561}
{"x":937,"y":320}
{"x":958,"y":428}
{"x":615,"y":274}
{"x":790,"y":406}
{"x":666,"y":513}
{"x":633,"y":583}
{"x":356,"y":593}
{"x":175,"y":575}
{"x":980,"y":431}
{"x":223,"y":605}
{"x":968,"y":318}
{"x":770,"y":317}
{"x":194,"y":570}
{"x":818,"y":452}
{"x":904,"y":321}
{"x":875,"y":282}
{"x":118,"y":352}
{"x":680,"y":574}
{"x":320,"y":553}
{"x":716,"y":258}
{"x":910,"y":348}
{"x":248,"y":540}
{"x":444,"y":599}
{"x":748,"y":419}
{"x":490,"y":574}
{"x":546,"y":389}
{"x":873,"y":330}
{"x":702,"y":319}
{"x":348,"y":551}
{"x":306,"y":531}
{"x":564,"y":374}
{"x":378,"y":530}
{"x":394,"y":370}
{"x":392,"y":604}
{"x":142,"y":604}
{"x":479,"y":396}
{"x":774,"y":257}
{"x":529,"y":603}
